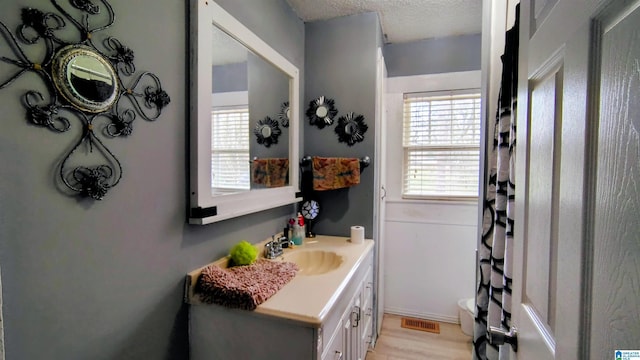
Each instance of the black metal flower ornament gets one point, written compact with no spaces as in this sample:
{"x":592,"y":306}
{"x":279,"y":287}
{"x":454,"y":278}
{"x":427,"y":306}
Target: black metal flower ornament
{"x":351,"y":128}
{"x":267,"y":131}
{"x":86,"y":83}
{"x":283,"y":115}
{"x":321,"y":112}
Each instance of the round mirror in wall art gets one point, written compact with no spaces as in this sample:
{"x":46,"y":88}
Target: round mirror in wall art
{"x":85,"y":78}
{"x":322,"y":111}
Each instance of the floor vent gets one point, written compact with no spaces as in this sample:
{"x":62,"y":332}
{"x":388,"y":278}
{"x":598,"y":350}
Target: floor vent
{"x":422,"y":325}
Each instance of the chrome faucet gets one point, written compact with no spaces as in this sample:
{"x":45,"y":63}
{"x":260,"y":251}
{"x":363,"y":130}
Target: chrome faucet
{"x":273,"y":248}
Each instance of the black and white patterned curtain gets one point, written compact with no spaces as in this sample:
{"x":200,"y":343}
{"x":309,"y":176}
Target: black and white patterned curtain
{"x":493,"y":296}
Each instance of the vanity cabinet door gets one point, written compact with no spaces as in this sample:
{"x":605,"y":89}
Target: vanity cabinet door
{"x":355,"y":349}
{"x":335,"y":349}
{"x":346,"y":329}
{"x":366,"y":323}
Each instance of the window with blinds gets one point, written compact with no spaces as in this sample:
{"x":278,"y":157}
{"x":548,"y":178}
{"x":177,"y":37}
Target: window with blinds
{"x":441,"y":141}
{"x":230,"y":170}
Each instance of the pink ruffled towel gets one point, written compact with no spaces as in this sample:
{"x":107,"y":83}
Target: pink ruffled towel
{"x":244,"y":287}
{"x":335,"y":173}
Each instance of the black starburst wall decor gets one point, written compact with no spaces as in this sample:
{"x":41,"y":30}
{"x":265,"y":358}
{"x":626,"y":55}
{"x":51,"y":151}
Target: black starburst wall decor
{"x":284,"y":113}
{"x":351,"y":128}
{"x":321,"y":112}
{"x":87,"y":77}
{"x":267,"y":131}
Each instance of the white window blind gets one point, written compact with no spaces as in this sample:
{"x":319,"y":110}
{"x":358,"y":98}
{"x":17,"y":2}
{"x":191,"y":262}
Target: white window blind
{"x":230,"y":167}
{"x":441,"y":141}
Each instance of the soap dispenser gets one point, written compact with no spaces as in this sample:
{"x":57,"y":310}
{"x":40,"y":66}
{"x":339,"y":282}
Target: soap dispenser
{"x":297,"y":230}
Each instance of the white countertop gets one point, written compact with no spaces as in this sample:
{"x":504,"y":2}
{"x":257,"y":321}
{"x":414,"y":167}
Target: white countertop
{"x":306,"y":298}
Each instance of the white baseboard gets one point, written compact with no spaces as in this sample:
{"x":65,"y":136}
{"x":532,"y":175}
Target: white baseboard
{"x":423,"y":315}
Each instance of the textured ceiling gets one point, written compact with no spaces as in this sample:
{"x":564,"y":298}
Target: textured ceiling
{"x":402,"y":20}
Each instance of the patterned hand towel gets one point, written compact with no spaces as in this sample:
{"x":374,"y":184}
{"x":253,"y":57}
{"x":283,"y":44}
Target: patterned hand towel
{"x":335,"y":173}
{"x":244,"y":287}
{"x":271,"y":172}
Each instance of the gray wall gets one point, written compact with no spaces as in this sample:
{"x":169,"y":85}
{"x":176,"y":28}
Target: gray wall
{"x":229,"y":77}
{"x":433,"y":56}
{"x":341,"y":65}
{"x":268,"y":89}
{"x":104,"y":280}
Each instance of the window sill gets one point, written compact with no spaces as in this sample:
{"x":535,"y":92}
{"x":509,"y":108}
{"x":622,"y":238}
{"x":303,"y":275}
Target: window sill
{"x":443,"y":201}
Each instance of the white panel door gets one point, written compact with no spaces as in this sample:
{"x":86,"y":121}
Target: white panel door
{"x":615,"y":308}
{"x":576,"y":292}
{"x":380,"y":190}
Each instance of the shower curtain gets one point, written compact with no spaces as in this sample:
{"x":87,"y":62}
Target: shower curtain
{"x":493,"y":295}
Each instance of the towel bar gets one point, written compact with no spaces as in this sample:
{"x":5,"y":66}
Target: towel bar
{"x":364,"y":161}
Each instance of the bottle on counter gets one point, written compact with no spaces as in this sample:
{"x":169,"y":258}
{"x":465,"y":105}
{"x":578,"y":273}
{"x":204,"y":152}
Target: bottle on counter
{"x":297,"y":231}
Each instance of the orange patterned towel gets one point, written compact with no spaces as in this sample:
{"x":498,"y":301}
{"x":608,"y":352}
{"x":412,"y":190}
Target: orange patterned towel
{"x":271,"y":172}
{"x":244,"y":287}
{"x":335,"y":173}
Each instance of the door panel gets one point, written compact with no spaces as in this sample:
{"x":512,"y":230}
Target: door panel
{"x":538,"y":343}
{"x":543,"y":184}
{"x":616,"y":271}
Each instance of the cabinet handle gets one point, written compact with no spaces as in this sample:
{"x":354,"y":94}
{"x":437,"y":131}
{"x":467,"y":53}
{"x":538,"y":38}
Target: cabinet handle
{"x":356,"y":321}
{"x":338,"y":355}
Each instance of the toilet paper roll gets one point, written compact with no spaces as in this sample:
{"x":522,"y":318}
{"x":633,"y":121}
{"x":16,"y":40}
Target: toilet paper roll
{"x":357,"y":234}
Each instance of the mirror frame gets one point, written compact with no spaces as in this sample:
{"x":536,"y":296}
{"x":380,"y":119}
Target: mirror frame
{"x":204,"y":207}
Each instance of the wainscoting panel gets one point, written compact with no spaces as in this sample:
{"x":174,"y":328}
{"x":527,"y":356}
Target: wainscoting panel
{"x":429,"y":258}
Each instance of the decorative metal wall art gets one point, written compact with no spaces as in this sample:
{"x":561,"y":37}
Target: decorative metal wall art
{"x":283,"y":115}
{"x":310,"y":209}
{"x":321,"y":112}
{"x":86,"y":81}
{"x":351,"y":128}
{"x":267,"y":131}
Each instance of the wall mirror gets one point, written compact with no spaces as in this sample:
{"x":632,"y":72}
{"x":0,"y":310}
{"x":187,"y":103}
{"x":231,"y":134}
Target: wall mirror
{"x":237,"y":81}
{"x":85,"y":78}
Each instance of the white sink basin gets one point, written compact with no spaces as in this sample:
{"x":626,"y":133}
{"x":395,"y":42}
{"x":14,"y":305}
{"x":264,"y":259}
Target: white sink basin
{"x":314,"y":262}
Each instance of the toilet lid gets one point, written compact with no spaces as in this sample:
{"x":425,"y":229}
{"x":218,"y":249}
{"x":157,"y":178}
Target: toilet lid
{"x":471,"y":304}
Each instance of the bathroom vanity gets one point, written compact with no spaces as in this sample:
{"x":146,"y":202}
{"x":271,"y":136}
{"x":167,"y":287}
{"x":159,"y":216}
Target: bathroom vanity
{"x":319,"y":315}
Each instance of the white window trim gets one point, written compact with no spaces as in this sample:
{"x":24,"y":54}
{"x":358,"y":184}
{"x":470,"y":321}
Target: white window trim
{"x":440,"y":148}
{"x":396,"y":87}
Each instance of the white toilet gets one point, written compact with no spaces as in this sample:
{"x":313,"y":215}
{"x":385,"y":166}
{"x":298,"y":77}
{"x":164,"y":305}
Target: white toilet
{"x":466,"y":313}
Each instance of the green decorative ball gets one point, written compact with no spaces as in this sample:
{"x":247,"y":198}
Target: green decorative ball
{"x":243,"y":253}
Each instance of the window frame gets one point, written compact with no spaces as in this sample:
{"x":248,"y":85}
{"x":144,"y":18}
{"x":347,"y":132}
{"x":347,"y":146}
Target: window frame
{"x":407,"y":148}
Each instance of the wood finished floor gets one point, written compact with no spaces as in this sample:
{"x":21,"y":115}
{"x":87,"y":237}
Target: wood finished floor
{"x":397,"y":343}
